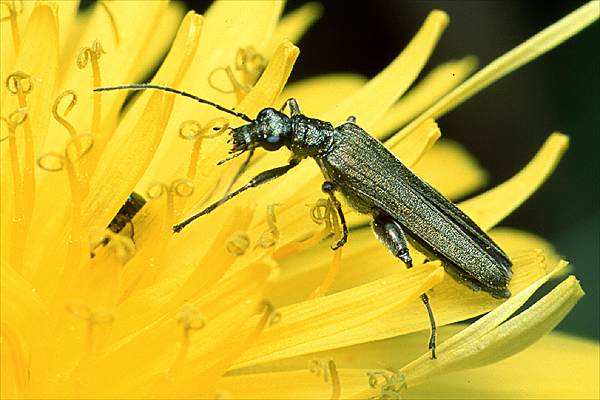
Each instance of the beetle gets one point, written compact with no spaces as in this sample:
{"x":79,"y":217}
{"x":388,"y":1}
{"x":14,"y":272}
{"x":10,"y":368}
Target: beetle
{"x":134,"y":203}
{"x":373,"y":181}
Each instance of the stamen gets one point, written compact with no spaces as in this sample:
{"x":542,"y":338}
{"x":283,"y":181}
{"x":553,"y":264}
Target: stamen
{"x":122,"y":245}
{"x":328,"y":370}
{"x":177,"y":190}
{"x":236,"y":86}
{"x":335,"y":381}
{"x":317,"y":366}
{"x":75,"y":149}
{"x":179,"y":187}
{"x":113,"y":21}
{"x":13,"y":12}
{"x":270,"y":237}
{"x":192,"y":130}
{"x":270,"y":316}
{"x":191,"y":319}
{"x":21,"y":84}
{"x":93,"y":318}
{"x":61,"y":120}
{"x":238,"y":244}
{"x":19,"y":226}
{"x":390,"y":383}
{"x":92,"y":54}
{"x":250,"y":63}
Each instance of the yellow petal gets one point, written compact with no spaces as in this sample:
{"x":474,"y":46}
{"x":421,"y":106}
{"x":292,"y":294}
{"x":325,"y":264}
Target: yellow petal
{"x":529,"y":50}
{"x":451,"y":301}
{"x":449,"y":168}
{"x":436,"y":84}
{"x":301,"y":384}
{"x":128,"y":363}
{"x":486,"y":341}
{"x":316,"y":94}
{"x":293,"y":25}
{"x":25,"y":315}
{"x":372,"y":101}
{"x":569,"y":370}
{"x":489,"y":208}
{"x":161,"y":38}
{"x":515,"y":241}
{"x":330,"y":321}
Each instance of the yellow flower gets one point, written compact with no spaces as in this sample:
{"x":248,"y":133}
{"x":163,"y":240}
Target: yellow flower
{"x":192,"y":315}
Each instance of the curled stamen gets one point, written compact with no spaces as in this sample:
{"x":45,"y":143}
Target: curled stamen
{"x":92,"y":317}
{"x":250,"y":61}
{"x":60,"y":119}
{"x":19,"y":82}
{"x":179,"y":187}
{"x":320,"y":212}
{"x":190,"y":318}
{"x":113,"y":21}
{"x":83,"y":311}
{"x":274,"y":316}
{"x":15,"y":119}
{"x":193,"y":130}
{"x":318,"y":367}
{"x":92,"y":53}
{"x":51,"y":162}
{"x":236,"y":86}
{"x":156,"y":190}
{"x":182,"y":187}
{"x":390,"y":383}
{"x":78,"y":146}
{"x":270,"y":237}
{"x":238,"y":244}
{"x":74,"y":151}
{"x":190,"y":129}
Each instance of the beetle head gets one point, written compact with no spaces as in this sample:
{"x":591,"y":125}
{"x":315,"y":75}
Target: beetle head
{"x":271,"y":130}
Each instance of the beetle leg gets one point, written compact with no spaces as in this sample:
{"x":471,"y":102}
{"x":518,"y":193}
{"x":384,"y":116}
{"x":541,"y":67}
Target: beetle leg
{"x":241,"y":170}
{"x":390,"y":233}
{"x":292,"y":104}
{"x":328,"y":188}
{"x":132,"y":234}
{"x":432,"y":338}
{"x":258,"y":180}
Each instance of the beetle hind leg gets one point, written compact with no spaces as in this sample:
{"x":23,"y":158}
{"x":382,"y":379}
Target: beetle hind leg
{"x":390,"y":233}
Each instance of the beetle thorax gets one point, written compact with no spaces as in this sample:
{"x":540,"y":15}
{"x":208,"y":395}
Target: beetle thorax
{"x":310,"y":137}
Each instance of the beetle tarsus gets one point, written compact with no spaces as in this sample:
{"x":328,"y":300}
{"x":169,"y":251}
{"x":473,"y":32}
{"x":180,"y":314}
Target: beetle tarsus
{"x":433,"y":337}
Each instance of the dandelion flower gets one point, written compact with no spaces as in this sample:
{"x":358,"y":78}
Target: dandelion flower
{"x":247,"y":302}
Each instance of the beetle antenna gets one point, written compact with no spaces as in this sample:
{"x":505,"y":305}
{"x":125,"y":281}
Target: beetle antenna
{"x":142,"y":86}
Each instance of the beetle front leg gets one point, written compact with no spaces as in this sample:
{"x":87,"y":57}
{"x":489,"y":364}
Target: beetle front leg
{"x":390,"y":233}
{"x":328,"y":188}
{"x":260,"y":179}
